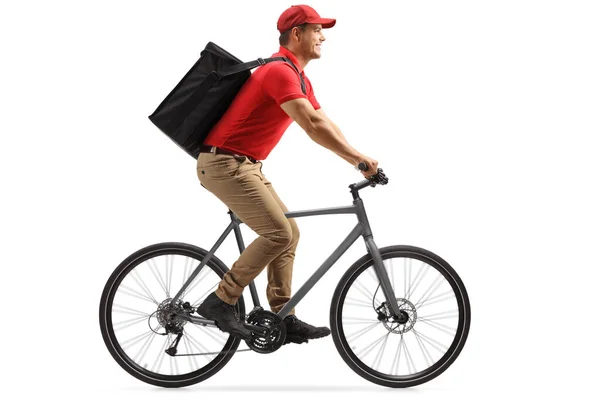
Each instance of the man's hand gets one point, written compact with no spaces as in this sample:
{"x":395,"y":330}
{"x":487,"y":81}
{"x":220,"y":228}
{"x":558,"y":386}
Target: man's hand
{"x":371,"y":166}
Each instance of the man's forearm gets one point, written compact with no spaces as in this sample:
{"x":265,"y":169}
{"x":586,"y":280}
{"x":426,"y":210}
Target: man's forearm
{"x":328,"y":135}
{"x":343,"y":138}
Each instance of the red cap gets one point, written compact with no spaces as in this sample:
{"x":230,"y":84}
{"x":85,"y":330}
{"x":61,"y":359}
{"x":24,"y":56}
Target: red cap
{"x":298,"y":15}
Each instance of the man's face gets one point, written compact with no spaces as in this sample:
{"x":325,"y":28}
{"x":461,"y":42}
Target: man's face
{"x":310,"y":41}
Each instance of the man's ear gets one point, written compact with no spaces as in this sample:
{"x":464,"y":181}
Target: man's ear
{"x":296,"y":32}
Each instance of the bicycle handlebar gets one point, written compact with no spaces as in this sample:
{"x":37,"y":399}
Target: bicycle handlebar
{"x":376,"y":179}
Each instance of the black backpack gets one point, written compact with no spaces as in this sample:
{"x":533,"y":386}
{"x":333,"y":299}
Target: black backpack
{"x":201,"y":98}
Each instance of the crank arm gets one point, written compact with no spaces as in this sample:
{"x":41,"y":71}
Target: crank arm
{"x":256,"y":329}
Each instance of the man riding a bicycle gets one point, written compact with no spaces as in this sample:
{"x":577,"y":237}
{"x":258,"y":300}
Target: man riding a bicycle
{"x":229,"y":166}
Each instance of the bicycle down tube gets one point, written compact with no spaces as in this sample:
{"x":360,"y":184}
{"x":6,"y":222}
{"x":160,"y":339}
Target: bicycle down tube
{"x":362,"y":229}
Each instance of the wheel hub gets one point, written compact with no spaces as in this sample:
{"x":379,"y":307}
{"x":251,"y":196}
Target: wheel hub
{"x":401,"y":324}
{"x":166,"y":314}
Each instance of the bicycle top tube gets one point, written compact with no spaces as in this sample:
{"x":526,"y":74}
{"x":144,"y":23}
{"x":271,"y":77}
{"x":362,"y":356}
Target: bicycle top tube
{"x":356,"y":208}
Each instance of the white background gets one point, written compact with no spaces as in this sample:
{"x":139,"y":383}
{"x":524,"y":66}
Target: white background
{"x":484,"y":115}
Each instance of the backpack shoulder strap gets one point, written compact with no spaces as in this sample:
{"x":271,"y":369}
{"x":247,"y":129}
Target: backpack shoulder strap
{"x":287,"y":60}
{"x":236,"y":69}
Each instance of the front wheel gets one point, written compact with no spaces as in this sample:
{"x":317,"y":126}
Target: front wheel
{"x":431,"y":332}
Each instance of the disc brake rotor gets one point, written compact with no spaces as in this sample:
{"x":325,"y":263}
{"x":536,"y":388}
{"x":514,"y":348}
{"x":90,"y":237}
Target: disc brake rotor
{"x":408,"y":316}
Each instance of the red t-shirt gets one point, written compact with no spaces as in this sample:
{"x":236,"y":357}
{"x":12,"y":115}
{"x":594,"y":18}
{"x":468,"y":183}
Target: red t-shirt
{"x":254,"y":122}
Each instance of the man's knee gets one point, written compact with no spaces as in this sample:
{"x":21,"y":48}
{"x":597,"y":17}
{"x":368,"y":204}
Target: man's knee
{"x":295,"y":232}
{"x":282,"y":236}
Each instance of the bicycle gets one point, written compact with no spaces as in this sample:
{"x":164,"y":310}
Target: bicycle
{"x":418,"y":290}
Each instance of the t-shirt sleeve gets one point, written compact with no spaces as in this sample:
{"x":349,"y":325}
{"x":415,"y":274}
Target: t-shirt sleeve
{"x":282,"y":84}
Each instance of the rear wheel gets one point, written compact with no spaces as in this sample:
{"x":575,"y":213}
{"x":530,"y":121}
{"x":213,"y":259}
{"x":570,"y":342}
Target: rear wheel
{"x":432,"y":329}
{"x":138,"y":321}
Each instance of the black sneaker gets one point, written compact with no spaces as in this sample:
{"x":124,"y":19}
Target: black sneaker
{"x":299,"y":332}
{"x":224,"y":316}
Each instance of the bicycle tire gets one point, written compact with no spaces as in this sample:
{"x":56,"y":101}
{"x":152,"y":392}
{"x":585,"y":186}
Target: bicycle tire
{"x":108,"y":333}
{"x":347,"y":352}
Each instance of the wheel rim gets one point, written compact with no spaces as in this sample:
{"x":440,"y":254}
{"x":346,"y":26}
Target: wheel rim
{"x":138,"y":306}
{"x":430,"y":332}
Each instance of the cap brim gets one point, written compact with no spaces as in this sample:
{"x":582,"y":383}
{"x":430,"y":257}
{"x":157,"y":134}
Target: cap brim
{"x":325,"y":22}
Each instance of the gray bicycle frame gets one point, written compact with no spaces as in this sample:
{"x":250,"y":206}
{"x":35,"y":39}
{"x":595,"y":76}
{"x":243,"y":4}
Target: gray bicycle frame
{"x":363,"y":229}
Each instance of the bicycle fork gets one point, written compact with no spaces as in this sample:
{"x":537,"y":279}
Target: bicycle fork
{"x":384,"y":279}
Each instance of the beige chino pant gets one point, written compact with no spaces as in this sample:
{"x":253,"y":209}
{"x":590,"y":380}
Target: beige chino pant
{"x":240,"y":184}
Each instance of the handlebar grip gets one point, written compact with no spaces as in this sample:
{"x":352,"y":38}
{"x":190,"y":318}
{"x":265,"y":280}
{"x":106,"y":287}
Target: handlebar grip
{"x":362,"y":166}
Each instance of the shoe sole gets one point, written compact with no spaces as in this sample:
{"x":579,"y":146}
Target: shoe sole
{"x":301,"y":339}
{"x":236,"y":334}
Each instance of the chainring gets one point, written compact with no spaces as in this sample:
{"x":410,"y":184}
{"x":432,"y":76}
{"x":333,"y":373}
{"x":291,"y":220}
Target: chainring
{"x":275,"y":327}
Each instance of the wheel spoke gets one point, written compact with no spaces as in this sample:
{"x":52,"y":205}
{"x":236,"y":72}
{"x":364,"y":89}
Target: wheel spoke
{"x":187,"y":271}
{"x":426,"y":355}
{"x":134,"y":340}
{"x":169,"y":273}
{"x":192,"y":360}
{"x":361,"y":332}
{"x":441,"y":315}
{"x":364,"y":291}
{"x":208,"y":332}
{"x":354,"y":320}
{"x":357,"y":304}
{"x":202,"y":348}
{"x":371,"y":346}
{"x":173,"y":366}
{"x":203,"y":296}
{"x":413,"y":286}
{"x":436,"y":299}
{"x":161,"y":356}
{"x":158,"y":276}
{"x":128,"y":322}
{"x":397,"y":356}
{"x":197,"y":281}
{"x":144,"y":349}
{"x":409,"y":360}
{"x":134,"y":293}
{"x":117,"y":308}
{"x":431,"y":289}
{"x":379,"y":355}
{"x":407,"y":271}
{"x":432,"y":342}
{"x":371,"y":271}
{"x":358,"y":301}
{"x":444,"y":328}
{"x":389,"y":267}
{"x":136,"y":277}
